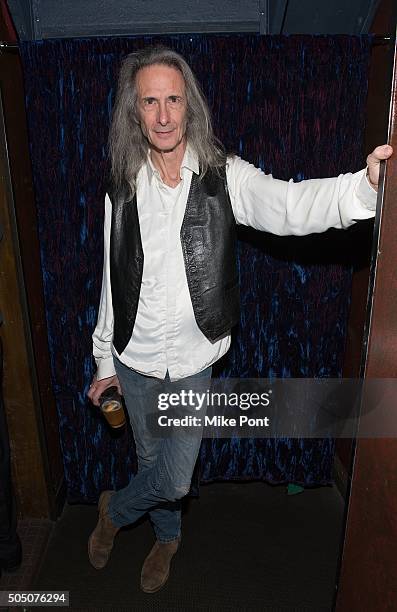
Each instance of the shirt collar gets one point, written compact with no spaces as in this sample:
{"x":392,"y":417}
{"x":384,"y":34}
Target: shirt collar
{"x":190,"y":161}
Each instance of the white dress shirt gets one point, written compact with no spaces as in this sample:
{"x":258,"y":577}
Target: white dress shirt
{"x":166,"y":335}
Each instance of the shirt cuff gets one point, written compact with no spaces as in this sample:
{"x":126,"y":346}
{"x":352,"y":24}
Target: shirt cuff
{"x":105,"y":368}
{"x":366,"y":193}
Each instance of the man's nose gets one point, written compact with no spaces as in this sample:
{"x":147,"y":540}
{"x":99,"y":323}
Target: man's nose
{"x":163,"y":113}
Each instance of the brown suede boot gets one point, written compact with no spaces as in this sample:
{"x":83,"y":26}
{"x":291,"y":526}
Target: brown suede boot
{"x":100,"y":542}
{"x":156,"y":568}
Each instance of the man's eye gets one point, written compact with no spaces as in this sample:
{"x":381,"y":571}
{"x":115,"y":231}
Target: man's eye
{"x":149,"y":101}
{"x":174,"y":99}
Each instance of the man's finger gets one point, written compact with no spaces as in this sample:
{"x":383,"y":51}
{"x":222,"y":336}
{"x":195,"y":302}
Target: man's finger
{"x":95,"y":397}
{"x":380,"y":153}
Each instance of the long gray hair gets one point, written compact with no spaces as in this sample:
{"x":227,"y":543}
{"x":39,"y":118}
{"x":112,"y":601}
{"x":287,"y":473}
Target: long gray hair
{"x":128,"y":146}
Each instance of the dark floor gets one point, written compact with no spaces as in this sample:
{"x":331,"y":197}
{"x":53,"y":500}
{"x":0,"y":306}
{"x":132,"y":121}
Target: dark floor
{"x":34,"y":535}
{"x":246,"y":546}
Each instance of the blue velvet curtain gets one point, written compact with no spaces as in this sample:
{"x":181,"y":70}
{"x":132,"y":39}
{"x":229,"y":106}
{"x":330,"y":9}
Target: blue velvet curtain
{"x":293,"y":105}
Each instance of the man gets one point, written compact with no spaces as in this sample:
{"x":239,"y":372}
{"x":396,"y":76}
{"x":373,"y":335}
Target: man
{"x":170,"y":284}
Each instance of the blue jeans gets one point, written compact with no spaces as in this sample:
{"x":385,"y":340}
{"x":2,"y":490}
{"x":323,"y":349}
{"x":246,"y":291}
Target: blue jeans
{"x":165,"y":464}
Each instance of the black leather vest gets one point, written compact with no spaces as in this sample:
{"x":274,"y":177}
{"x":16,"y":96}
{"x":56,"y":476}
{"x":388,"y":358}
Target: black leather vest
{"x":208,"y":238}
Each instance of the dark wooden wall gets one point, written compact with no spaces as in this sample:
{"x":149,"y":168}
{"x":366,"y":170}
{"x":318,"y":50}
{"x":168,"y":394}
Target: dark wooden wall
{"x":369,"y":563}
{"x":29,"y":402}
{"x":378,"y":103}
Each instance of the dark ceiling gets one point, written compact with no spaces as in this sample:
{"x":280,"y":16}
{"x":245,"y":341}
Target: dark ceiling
{"x":39,"y":19}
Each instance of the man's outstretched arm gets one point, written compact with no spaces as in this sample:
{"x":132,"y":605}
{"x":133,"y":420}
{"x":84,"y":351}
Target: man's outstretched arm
{"x":310,"y":206}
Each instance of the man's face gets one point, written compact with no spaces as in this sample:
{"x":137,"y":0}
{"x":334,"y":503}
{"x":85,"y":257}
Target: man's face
{"x":162,"y":106}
